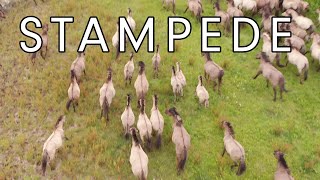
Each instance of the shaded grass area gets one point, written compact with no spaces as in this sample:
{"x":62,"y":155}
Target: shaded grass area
{"x":32,"y":98}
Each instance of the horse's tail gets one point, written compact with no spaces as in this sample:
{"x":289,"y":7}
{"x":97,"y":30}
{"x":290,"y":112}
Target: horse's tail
{"x":221,"y":73}
{"x":69,"y":104}
{"x":118,"y":52}
{"x":149,"y":142}
{"x":199,"y":13}
{"x":159,"y":140}
{"x":242,"y":166}
{"x":105,"y":108}
{"x":183,"y":159}
{"x":143,"y":176}
{"x":45,"y":157}
{"x":305,"y":69}
{"x":126,"y":135}
{"x":206,"y":103}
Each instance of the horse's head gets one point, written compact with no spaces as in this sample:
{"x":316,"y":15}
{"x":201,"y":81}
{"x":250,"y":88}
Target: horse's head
{"x":280,"y":157}
{"x":129,"y":11}
{"x":171,"y":112}
{"x":45,"y":28}
{"x":109,"y":74}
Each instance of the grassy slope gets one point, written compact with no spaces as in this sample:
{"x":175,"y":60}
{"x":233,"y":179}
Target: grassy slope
{"x":32,"y":97}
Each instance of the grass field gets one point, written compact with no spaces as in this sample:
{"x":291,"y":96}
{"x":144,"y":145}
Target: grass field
{"x":33,"y":97}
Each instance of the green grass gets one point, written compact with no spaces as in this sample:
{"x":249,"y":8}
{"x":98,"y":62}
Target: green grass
{"x":32,"y":98}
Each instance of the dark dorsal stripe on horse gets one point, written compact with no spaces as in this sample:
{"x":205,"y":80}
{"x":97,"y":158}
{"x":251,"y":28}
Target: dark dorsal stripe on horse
{"x":58,"y":121}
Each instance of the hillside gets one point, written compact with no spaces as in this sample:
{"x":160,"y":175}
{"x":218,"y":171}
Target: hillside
{"x":33,"y":97}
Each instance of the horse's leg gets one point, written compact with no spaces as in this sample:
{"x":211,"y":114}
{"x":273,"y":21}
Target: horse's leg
{"x":219,"y":86}
{"x":234,"y":165}
{"x":101,"y":113}
{"x":175,"y":97}
{"x":281,"y":93}
{"x":267,"y":83}
{"x":205,"y":75}
{"x":41,"y":53}
{"x":274,"y":94}
{"x":223,"y":151}
{"x":214,"y":85}
{"x":45,"y":55}
{"x":74,"y":107}
{"x":186,"y":9}
{"x":108,"y":114}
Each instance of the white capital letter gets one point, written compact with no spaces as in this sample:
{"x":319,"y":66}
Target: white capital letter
{"x":124,"y":29}
{"x":31,"y":34}
{"x":205,"y":34}
{"x":276,"y":34}
{"x":236,"y":34}
{"x":62,"y":30}
{"x":93,"y":24}
{"x":172,"y":36}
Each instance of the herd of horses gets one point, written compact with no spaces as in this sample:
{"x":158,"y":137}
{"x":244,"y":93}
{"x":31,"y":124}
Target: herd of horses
{"x":303,"y":31}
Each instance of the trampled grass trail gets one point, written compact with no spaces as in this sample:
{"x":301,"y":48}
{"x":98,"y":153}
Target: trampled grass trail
{"x":33,"y":97}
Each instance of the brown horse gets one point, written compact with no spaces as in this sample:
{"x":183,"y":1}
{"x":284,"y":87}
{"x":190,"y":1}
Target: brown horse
{"x":233,"y":148}
{"x":283,"y":171}
{"x":44,"y":47}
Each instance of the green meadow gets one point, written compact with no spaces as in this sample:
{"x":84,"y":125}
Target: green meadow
{"x":32,"y":97}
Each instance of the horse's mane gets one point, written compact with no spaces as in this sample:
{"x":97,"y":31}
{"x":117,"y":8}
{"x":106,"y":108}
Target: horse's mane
{"x":231,"y":131}
{"x":58,"y":121}
{"x":142,"y":66}
{"x":283,"y":162}
{"x":208,"y":56}
{"x":173,"y":70}
{"x":265,"y":57}
{"x":135,"y":137}
{"x":156,"y":100}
